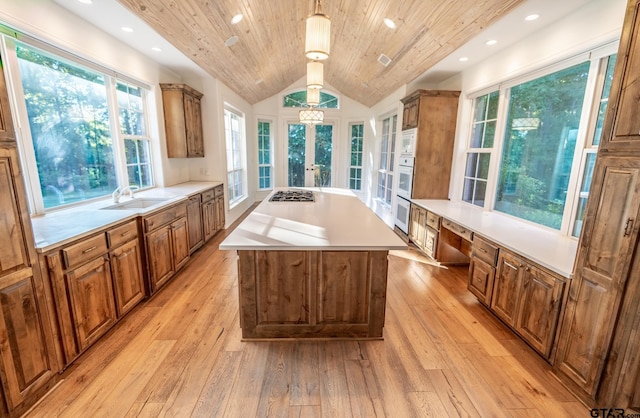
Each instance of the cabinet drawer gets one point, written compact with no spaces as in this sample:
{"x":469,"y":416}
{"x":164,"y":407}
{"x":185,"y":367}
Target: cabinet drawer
{"x":195,"y":200}
{"x":122,"y":234}
{"x":484,"y":250}
{"x":161,"y":218}
{"x":457,"y":229}
{"x":433,"y":220}
{"x":219,"y":190}
{"x":89,"y":248}
{"x":208,"y":195}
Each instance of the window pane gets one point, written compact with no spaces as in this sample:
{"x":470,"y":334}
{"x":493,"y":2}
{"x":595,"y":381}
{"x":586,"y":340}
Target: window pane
{"x":130,"y":108}
{"x":540,"y":137}
{"x":477,"y":132}
{"x":492,"y":111}
{"x":489,"y":135}
{"x":70,"y":128}
{"x":299,"y":99}
{"x":604,"y":100}
{"x":584,"y":193}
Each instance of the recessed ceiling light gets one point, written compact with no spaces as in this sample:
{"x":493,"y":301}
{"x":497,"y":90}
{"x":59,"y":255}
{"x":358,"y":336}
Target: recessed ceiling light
{"x":532,"y":17}
{"x":126,"y":29}
{"x":390,"y":23}
{"x":463,"y":59}
{"x":86,"y":1}
{"x":491,"y":42}
{"x":237,"y":18}
{"x":231,"y":41}
{"x":155,"y":48}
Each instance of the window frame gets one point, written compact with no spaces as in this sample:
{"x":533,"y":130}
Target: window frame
{"x":8,"y":45}
{"x":270,"y":164}
{"x":351,"y":154}
{"x":389,"y":137}
{"x":235,"y":173}
{"x":585,"y":131}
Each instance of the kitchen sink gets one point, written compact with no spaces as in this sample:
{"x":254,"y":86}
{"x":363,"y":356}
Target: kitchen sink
{"x":137,"y":203}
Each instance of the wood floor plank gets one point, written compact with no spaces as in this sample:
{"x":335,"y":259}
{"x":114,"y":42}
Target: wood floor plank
{"x":360,"y":399}
{"x":334,"y":392}
{"x":274,"y":394}
{"x":305,"y":411}
{"x":452,"y":395}
{"x":216,"y":391}
{"x":305,"y":374}
{"x":248,"y":382}
{"x":427,"y":404}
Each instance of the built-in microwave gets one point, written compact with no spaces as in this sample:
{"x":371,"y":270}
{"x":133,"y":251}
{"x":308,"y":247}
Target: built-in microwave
{"x":408,"y":142}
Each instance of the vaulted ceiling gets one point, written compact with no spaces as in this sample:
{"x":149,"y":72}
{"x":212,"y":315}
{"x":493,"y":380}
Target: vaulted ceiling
{"x":269,"y":54}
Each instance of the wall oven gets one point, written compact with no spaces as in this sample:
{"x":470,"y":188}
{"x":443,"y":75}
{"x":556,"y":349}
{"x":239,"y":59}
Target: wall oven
{"x":403,"y":210}
{"x":405,"y":177}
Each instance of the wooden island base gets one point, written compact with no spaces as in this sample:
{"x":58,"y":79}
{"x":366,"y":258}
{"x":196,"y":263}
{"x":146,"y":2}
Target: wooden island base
{"x":312,"y":294}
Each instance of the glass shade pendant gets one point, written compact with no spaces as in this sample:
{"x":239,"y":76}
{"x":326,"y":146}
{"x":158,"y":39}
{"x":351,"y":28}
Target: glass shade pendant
{"x":318,"y":39}
{"x":313,"y":97}
{"x":311,"y":116}
{"x":315,"y":76}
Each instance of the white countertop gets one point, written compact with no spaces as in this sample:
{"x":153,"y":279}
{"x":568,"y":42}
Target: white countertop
{"x":336,"y":220}
{"x":541,"y":245}
{"x":66,"y":225}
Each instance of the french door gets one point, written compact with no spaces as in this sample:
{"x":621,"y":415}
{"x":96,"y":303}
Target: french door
{"x":310,"y":155}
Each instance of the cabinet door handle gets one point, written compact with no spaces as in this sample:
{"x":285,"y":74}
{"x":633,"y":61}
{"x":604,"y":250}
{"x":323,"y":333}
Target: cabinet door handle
{"x":628,"y":227}
{"x":511,"y":265}
{"x":483,"y":250}
{"x":125,"y":233}
{"x":88,"y":250}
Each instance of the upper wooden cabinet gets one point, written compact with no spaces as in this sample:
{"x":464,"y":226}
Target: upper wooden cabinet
{"x":434,"y":113}
{"x":7,"y":132}
{"x":182,"y":121}
{"x":621,"y":131}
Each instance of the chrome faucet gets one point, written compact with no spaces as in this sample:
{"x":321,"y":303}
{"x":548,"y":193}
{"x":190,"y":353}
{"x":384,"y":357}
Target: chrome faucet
{"x":117,"y":193}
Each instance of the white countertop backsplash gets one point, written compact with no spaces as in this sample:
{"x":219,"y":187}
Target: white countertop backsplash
{"x":336,"y":220}
{"x":544,"y":246}
{"x":66,"y":225}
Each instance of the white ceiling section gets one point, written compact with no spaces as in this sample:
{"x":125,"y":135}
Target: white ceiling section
{"x":430,"y":38}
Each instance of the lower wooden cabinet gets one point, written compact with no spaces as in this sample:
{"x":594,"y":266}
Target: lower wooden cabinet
{"x":481,"y":276}
{"x":194,"y":218}
{"x":529,"y":299}
{"x":166,"y":244}
{"x":92,"y":303}
{"x":94,"y":281}
{"x":26,"y":354}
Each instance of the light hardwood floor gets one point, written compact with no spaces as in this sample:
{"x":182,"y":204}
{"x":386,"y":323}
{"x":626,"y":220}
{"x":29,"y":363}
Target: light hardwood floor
{"x":179,"y":354}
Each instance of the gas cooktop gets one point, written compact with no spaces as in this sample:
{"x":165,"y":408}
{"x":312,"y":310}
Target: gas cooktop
{"x":292,"y":196}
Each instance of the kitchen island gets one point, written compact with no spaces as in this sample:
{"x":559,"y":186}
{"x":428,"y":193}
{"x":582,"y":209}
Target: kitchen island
{"x":312,"y":269}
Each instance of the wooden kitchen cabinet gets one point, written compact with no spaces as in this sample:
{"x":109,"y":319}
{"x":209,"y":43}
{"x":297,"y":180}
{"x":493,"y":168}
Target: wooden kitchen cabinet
{"x":220,"y":217}
{"x":621,"y":130}
{"x":166,"y":243}
{"x":126,"y":268}
{"x":436,"y":112}
{"x":213,"y":216}
{"x":507,"y":288}
{"x":607,"y":243}
{"x":182,"y":121}
{"x":92,"y":304}
{"x":423,"y":230}
{"x":194,"y":219}
{"x":28,"y":362}
{"x":482,"y":269}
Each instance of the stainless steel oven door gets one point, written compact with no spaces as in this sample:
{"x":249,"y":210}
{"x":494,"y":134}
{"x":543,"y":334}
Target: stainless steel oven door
{"x":403,"y":210}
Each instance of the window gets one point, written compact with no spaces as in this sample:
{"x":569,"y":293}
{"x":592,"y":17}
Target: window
{"x":355,"y":168}
{"x":387,"y":155}
{"x":265,"y":164}
{"x":133,"y":128}
{"x":483,"y":134}
{"x":534,"y":159}
{"x":589,"y":154}
{"x":236,"y":177}
{"x":69,"y":140}
{"x":299,"y":99}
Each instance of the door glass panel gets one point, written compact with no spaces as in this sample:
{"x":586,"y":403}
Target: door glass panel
{"x":297,"y":143}
{"x":323,"y":151}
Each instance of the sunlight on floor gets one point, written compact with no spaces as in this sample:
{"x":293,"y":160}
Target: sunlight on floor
{"x":415,"y":255}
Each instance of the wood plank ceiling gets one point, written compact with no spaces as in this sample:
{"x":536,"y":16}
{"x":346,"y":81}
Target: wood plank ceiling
{"x":269,"y":54}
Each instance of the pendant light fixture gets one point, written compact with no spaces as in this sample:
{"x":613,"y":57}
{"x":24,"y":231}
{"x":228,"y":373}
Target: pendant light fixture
{"x":315,"y":75}
{"x":311,"y":116}
{"x":313,"y":97}
{"x":318,"y":39}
